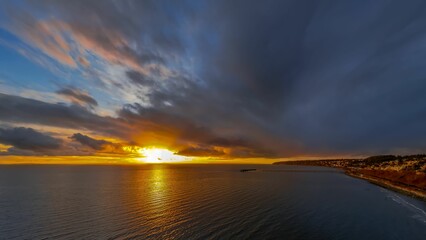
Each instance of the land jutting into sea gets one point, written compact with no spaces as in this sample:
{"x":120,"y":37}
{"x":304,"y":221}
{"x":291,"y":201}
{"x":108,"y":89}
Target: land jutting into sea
{"x":405,"y":174}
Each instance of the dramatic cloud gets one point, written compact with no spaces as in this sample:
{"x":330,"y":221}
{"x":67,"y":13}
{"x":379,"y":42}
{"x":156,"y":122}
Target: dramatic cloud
{"x":16,"y":109}
{"x":200,"y":152}
{"x":231,"y":78}
{"x":28,"y":139}
{"x":88,"y":141}
{"x":159,"y":127}
{"x":98,"y":144}
{"x":144,"y":126}
{"x":78,"y":96}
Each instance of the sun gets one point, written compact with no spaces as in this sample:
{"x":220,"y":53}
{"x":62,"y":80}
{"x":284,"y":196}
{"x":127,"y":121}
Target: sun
{"x":160,"y":155}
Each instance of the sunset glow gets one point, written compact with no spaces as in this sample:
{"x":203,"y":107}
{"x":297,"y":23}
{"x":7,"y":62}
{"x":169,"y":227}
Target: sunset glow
{"x":140,"y":82}
{"x":159,"y":155}
{"x":212,"y":119}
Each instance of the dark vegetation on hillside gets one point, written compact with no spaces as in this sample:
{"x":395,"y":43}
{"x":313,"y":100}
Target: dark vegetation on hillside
{"x":384,"y":162}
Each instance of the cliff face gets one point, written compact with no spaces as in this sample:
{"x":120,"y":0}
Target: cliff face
{"x":403,"y":173}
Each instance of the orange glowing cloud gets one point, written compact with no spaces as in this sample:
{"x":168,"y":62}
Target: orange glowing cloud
{"x":70,"y":43}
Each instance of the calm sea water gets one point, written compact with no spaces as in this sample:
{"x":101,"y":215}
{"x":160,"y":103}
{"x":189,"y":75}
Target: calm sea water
{"x":200,"y":202}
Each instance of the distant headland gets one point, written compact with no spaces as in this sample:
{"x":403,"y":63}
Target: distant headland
{"x":406,"y":174}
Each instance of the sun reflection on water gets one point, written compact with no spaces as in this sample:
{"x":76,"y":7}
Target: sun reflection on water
{"x":157,"y":182}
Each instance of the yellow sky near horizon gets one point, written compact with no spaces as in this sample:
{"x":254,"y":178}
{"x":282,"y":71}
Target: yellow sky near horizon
{"x":107,"y":160}
{"x":95,"y":160}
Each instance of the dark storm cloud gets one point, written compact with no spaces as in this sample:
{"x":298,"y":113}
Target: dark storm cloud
{"x":24,"y":110}
{"x":78,"y":96}
{"x":134,"y":121}
{"x":96,"y":144}
{"x":267,"y":78}
{"x":93,"y":145}
{"x":336,"y":77}
{"x":200,"y":152}
{"x":30,"y":142}
{"x":88,"y":141}
{"x":28,"y":139}
{"x":183,"y":129}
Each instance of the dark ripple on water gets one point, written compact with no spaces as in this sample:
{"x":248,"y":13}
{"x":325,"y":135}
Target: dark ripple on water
{"x":200,"y":202}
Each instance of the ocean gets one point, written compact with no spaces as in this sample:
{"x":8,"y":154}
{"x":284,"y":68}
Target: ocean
{"x":200,"y":202}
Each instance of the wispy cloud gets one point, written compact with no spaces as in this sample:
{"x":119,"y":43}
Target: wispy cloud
{"x":78,"y":96}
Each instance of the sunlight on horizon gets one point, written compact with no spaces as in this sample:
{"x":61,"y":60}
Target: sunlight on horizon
{"x":160,"y":155}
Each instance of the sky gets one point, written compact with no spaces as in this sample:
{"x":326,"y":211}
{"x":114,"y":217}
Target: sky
{"x":214,"y":81}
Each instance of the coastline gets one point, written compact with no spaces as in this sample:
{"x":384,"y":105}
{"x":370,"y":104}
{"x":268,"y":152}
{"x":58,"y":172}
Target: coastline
{"x":403,"y":174}
{"x":394,"y":186}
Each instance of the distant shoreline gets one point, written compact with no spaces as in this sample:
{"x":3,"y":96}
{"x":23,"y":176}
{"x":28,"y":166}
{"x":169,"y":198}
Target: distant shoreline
{"x":405,"y":189}
{"x":404,"y":174}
